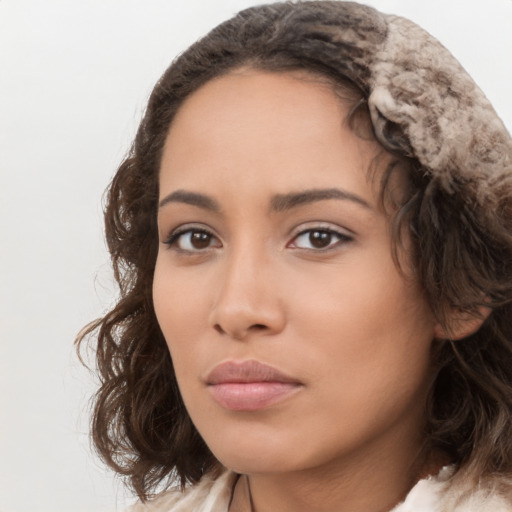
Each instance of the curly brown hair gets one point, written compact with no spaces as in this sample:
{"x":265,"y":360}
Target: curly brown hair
{"x":462,"y":251}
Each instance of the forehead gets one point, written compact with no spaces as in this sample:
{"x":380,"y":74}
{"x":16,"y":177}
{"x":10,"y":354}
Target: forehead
{"x":289,"y":128}
{"x":249,"y":99}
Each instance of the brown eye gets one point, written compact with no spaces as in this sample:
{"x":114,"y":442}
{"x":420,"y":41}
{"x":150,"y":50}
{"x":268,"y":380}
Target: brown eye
{"x":200,"y":239}
{"x":318,"y":239}
{"x":192,"y":240}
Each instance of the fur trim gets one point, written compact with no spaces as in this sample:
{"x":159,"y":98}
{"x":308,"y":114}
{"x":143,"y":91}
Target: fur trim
{"x":452,"y":128}
{"x":442,"y":494}
{"x":435,"y":494}
{"x":208,"y":495}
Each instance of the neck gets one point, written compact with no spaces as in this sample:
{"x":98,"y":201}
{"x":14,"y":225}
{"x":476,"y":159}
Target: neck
{"x":353,"y":486}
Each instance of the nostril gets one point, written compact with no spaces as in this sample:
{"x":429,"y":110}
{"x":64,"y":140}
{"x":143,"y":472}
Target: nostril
{"x":258,"y":327}
{"x":240,"y":335}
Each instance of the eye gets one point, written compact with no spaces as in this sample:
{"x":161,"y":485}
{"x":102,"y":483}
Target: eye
{"x":319,"y":238}
{"x":192,"y":240}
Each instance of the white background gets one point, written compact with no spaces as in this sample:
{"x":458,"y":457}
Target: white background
{"x":74,"y":77}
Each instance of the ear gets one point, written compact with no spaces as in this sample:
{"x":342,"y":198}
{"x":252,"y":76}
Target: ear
{"x":461,"y":324}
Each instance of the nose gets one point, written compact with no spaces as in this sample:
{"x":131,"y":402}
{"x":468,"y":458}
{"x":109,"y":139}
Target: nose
{"x":247,"y":302}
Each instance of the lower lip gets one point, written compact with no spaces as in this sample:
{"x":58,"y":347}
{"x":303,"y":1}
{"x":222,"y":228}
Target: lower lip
{"x":251,"y":396}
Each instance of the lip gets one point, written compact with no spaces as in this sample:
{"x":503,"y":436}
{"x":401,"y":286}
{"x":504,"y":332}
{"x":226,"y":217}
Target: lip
{"x":249,"y":385}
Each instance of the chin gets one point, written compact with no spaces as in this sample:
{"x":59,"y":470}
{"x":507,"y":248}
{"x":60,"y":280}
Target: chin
{"x":258,"y":462}
{"x":249,"y":454}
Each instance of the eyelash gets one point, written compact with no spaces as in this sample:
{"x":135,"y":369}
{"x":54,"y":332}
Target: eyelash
{"x":342,"y":238}
{"x":173,"y":239}
{"x":175,"y":236}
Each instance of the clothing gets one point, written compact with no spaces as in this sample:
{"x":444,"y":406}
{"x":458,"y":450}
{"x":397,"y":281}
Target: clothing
{"x":433,"y":494}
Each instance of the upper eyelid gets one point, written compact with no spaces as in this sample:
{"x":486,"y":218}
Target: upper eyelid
{"x":192,"y":226}
{"x":321,"y":225}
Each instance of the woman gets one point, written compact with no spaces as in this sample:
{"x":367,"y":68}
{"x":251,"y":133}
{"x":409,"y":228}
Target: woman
{"x":312,"y":235}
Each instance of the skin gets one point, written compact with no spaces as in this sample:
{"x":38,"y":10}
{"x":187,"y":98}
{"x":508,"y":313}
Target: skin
{"x":342,"y":320}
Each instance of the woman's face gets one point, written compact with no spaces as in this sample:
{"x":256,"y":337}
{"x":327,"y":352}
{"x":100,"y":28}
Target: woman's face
{"x":297,"y":344}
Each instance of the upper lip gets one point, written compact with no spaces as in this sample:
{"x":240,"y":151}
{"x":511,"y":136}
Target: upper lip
{"x":246,"y":371}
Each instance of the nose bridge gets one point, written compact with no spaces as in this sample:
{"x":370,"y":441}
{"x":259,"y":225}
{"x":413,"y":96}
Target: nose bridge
{"x":244,"y":276}
{"x":246,"y":300}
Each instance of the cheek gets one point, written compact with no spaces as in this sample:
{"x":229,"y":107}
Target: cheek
{"x":364,"y":322}
{"x":367,"y":344}
{"x":181,"y":309}
{"x":358,"y":296}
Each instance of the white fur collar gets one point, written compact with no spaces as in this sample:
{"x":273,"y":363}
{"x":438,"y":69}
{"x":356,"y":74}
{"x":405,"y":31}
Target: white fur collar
{"x":438,"y":494}
{"x":433,"y":494}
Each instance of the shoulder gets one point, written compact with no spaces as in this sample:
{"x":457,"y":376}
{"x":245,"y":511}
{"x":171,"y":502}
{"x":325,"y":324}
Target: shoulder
{"x":208,"y":495}
{"x":443,"y":493}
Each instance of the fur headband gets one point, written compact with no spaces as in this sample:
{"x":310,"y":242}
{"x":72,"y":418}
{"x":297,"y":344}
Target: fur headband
{"x":416,"y":83}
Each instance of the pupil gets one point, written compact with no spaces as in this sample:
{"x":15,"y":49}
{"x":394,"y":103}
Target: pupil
{"x":320,"y":239}
{"x":200,"y":240}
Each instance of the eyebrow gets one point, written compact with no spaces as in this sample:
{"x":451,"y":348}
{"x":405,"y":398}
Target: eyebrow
{"x":278,"y":203}
{"x":283,"y":202}
{"x":193,"y":198}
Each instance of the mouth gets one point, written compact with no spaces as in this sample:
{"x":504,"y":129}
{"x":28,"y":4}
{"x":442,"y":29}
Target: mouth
{"x":249,"y":385}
